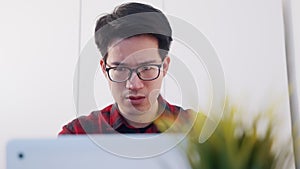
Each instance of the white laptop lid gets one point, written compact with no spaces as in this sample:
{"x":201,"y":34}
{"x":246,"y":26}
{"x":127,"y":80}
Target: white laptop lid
{"x":97,"y":151}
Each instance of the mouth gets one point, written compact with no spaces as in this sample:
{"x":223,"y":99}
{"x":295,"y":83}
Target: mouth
{"x":135,"y":99}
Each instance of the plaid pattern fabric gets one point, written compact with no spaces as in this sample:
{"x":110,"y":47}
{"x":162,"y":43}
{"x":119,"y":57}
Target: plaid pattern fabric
{"x":109,"y":120}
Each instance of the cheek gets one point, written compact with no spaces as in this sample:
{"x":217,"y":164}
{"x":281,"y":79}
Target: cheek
{"x":116,"y":89}
{"x":155,"y":85}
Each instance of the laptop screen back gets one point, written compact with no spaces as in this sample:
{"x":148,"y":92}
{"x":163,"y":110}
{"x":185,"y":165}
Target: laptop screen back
{"x":77,"y":152}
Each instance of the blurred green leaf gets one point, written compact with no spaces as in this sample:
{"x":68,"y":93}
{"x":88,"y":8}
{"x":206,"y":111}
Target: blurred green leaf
{"x":233,"y":146}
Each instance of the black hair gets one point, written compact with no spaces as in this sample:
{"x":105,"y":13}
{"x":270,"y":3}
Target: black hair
{"x":133,"y":19}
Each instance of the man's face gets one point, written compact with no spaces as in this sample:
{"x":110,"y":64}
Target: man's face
{"x":135,"y":96}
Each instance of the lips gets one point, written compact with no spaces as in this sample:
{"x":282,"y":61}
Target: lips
{"x":136,"y":99}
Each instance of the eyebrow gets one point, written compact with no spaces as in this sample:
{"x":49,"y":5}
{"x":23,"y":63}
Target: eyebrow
{"x":124,"y":64}
{"x":118,"y":63}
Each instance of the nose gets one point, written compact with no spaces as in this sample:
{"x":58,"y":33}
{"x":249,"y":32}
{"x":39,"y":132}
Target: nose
{"x":134,"y":82}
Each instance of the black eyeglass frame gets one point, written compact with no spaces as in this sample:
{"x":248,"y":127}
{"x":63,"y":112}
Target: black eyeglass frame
{"x":131,"y":70}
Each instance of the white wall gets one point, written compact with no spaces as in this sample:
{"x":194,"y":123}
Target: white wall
{"x":247,"y":36}
{"x":295,"y":9}
{"x":39,"y":50}
{"x":296,"y":28}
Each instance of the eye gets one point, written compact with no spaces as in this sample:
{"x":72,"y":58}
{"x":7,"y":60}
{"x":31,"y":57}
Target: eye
{"x":146,"y":68}
{"x":121,"y":69}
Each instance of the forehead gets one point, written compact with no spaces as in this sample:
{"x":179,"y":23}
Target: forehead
{"x":134,"y":50}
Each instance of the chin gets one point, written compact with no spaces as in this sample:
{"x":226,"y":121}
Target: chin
{"x":136,"y":109}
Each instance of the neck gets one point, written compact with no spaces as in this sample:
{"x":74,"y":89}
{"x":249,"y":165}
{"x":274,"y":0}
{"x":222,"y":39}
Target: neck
{"x":141,"y":119}
{"x":137,"y":124}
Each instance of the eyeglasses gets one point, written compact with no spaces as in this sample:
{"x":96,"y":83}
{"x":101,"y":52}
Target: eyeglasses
{"x":145,"y":72}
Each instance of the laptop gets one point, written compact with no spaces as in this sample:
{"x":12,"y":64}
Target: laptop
{"x":136,"y":151}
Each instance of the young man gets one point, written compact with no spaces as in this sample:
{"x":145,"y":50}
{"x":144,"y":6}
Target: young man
{"x":134,"y":41}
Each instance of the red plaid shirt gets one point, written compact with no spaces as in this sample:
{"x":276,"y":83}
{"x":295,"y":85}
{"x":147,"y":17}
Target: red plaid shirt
{"x":109,"y":120}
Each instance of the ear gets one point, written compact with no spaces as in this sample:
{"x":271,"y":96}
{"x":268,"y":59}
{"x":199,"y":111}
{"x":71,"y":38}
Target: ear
{"x":166,"y":65}
{"x":102,"y":65}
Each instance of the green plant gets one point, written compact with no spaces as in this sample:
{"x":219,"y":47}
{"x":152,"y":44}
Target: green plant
{"x":234,"y":146}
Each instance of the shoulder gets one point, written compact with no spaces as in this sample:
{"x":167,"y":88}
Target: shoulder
{"x":87,"y":124}
{"x":172,"y":107}
{"x":177,"y":110}
{"x":177,"y":119}
{"x":81,"y":124}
